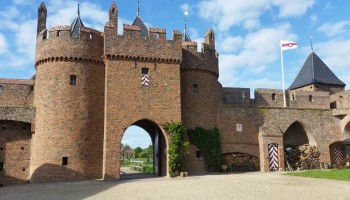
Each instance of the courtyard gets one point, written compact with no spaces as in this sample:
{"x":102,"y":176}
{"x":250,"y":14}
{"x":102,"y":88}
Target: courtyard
{"x":253,"y":185}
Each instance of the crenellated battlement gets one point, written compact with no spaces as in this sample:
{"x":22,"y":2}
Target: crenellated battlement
{"x":131,"y":45}
{"x":294,"y":99}
{"x":58,"y":44}
{"x":205,"y":60}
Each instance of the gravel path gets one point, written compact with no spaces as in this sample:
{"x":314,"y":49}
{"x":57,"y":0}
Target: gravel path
{"x":255,"y":185}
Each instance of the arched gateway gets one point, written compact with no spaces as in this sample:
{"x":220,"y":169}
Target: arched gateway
{"x":112,"y":156}
{"x":159,"y":145}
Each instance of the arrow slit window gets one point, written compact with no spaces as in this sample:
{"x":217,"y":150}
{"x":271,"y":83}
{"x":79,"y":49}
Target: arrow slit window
{"x":145,"y":80}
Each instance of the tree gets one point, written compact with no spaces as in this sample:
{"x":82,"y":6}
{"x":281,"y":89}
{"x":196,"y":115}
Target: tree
{"x":149,"y":152}
{"x":137,"y":151}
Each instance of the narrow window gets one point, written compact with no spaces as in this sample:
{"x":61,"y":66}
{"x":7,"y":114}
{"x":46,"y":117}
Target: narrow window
{"x":333,"y":105}
{"x":194,"y":89}
{"x":310,"y":98}
{"x":145,"y":80}
{"x":73,"y":80}
{"x":273,"y":97}
{"x":198,"y":155}
{"x":31,"y":88}
{"x":1,"y":89}
{"x":293,"y":97}
{"x":90,"y":36}
{"x":239,"y":127}
{"x":144,"y":71}
{"x":22,"y":148}
{"x":64,"y":161}
{"x":2,"y":166}
{"x":58,"y":34}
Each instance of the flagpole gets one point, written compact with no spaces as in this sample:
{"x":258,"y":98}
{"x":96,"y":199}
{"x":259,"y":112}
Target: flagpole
{"x":282,"y":66}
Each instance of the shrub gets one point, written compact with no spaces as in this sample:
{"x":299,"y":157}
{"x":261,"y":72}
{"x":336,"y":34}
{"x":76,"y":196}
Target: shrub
{"x":208,"y":142}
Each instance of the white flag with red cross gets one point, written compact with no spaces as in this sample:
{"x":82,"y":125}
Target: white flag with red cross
{"x":286,"y":45}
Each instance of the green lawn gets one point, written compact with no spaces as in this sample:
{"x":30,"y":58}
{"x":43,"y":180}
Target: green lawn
{"x":336,"y":174}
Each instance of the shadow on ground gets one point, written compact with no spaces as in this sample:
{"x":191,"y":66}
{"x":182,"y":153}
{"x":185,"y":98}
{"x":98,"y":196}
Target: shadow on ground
{"x":68,"y":190}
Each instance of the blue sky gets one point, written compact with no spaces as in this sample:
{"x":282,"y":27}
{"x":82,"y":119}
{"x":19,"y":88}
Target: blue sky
{"x":247,"y":33}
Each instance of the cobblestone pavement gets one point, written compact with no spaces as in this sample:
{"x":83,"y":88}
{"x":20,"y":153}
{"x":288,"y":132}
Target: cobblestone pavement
{"x":255,"y":185}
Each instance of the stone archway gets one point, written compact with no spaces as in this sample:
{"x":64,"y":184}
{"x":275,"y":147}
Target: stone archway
{"x":112,"y":147}
{"x":295,"y":135}
{"x":293,"y":138}
{"x":159,"y":145}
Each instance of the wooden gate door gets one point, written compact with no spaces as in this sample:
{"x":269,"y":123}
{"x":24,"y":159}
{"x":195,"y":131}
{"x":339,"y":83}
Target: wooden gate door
{"x":156,"y":154}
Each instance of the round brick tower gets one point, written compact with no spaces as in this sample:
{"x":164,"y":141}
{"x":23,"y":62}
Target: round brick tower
{"x":69,"y":100}
{"x":200,"y":92}
{"x":200,"y":89}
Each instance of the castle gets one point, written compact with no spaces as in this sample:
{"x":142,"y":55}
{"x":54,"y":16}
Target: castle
{"x":67,"y":122}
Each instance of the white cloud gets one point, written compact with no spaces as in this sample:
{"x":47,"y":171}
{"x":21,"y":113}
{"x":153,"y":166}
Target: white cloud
{"x":3,"y":44}
{"x":247,"y":13}
{"x":186,"y":8}
{"x":334,"y":54}
{"x":230,"y":44}
{"x":227,"y":14}
{"x":258,"y":49}
{"x":313,"y":19}
{"x":25,"y":38}
{"x":334,"y":28}
{"x":292,"y":8}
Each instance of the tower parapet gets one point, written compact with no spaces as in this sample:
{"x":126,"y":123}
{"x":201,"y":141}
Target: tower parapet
{"x":60,"y":45}
{"x":204,"y":61}
{"x":131,"y":45}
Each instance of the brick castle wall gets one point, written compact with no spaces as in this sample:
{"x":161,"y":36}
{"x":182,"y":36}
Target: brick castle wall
{"x":15,"y":148}
{"x":16,"y":92}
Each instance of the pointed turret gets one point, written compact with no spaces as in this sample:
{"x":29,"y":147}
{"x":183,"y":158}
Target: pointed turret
{"x":139,"y":22}
{"x":113,"y":16}
{"x":210,"y":38}
{"x":185,"y":36}
{"x":316,"y":75}
{"x":77,"y":23}
{"x":42,"y":14}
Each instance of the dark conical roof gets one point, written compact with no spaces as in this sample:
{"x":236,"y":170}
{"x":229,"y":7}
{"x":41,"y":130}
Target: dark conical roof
{"x":139,"y":22}
{"x":186,"y":37}
{"x":77,"y":23}
{"x":314,"y":71}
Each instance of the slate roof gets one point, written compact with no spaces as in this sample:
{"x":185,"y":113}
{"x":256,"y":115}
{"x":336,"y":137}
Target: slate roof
{"x":139,"y":22}
{"x":314,"y":71}
{"x":75,"y":27}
